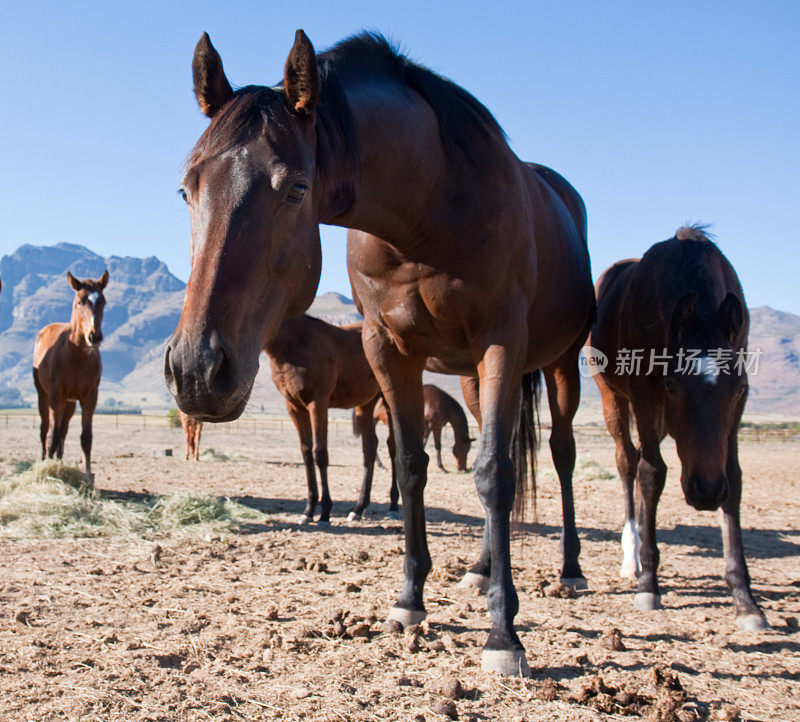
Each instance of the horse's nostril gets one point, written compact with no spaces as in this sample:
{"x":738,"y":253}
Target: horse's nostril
{"x":221,"y":377}
{"x":170,"y":375}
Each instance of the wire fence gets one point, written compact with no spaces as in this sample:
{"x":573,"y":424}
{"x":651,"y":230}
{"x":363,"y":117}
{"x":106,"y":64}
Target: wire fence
{"x":343,"y":426}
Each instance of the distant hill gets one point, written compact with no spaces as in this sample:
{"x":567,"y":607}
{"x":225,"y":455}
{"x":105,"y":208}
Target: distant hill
{"x":144,"y":305}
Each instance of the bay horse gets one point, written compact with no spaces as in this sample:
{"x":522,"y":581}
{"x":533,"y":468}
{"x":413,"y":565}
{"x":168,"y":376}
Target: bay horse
{"x":440,"y":409}
{"x":317,"y":366}
{"x":462,"y":258}
{"x":682,"y":309}
{"x":67,"y":368}
{"x":191,"y":431}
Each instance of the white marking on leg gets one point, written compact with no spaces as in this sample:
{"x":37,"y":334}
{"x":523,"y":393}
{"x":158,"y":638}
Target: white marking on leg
{"x":631,"y":544}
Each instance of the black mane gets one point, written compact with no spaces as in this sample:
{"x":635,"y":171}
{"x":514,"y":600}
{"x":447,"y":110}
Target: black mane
{"x":465,"y":124}
{"x":464,"y":121}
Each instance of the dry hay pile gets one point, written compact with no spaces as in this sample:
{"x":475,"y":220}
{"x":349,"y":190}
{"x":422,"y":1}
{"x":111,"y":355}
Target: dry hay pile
{"x":51,"y":499}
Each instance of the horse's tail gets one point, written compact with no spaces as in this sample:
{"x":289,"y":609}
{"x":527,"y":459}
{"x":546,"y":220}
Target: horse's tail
{"x":525,"y":442}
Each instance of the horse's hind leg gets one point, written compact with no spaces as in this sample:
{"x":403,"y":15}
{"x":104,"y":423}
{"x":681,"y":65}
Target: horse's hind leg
{"x":87,"y":412}
{"x":394,"y":491}
{"x":478,"y":575}
{"x":365,"y":427}
{"x":437,"y":443}
{"x":302,"y":423}
{"x":563,"y":396}
{"x":319,"y":427}
{"x":616,"y":412}
{"x":748,"y":616}
{"x":44,"y":412}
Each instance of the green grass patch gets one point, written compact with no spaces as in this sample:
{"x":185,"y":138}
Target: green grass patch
{"x":50,"y":499}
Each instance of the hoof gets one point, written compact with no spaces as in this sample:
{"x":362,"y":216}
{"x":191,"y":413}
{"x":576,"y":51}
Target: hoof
{"x":471,"y":580}
{"x":324,"y":523}
{"x":392,"y":514}
{"x":751,"y":623}
{"x":646,"y":601}
{"x":628,"y":571}
{"x":407,"y":617}
{"x":352,"y":516}
{"x":304,"y":519}
{"x":510,"y":662}
{"x":575,"y":582}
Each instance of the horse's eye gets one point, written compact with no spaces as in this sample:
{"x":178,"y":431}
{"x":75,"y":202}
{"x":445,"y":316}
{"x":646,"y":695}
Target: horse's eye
{"x":669,"y":385}
{"x":296,"y":193}
{"x":182,"y":194}
{"x":740,"y":391}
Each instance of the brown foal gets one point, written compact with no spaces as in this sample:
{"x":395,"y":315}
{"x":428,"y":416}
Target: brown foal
{"x":681,"y":310}
{"x":67,"y":368}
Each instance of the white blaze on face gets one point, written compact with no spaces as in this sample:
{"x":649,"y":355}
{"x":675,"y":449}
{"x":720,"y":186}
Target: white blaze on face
{"x":708,"y":369}
{"x":92,"y":298}
{"x":631,"y":544}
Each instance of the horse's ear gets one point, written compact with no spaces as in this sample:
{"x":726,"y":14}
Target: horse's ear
{"x":730,"y":316}
{"x":684,"y":315}
{"x":74,"y":282}
{"x":301,"y":76}
{"x":211,"y":87}
{"x":103,"y":279}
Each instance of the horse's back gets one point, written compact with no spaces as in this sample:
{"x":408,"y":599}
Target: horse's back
{"x":563,"y":305}
{"x":566,"y":192}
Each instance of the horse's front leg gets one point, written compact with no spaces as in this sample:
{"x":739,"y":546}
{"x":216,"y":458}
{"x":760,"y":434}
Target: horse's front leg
{"x":748,"y":616}
{"x":651,"y":474}
{"x":87,"y":412}
{"x":500,"y":372}
{"x":56,"y":442}
{"x":400,"y":378}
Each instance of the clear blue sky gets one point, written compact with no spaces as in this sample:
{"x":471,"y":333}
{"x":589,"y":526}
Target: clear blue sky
{"x":656,"y":113}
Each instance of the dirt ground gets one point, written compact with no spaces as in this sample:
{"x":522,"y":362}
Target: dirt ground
{"x":284,"y":621}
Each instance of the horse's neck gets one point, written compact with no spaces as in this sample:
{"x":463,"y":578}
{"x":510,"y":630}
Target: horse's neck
{"x":407,"y":190}
{"x":457,"y":419}
{"x":76,"y":337}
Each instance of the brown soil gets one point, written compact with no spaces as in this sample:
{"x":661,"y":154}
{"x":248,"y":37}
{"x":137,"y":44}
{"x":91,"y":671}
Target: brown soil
{"x":285,"y":622}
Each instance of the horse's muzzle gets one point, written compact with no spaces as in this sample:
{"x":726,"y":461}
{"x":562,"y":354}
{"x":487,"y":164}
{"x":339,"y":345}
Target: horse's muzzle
{"x":204,"y":378}
{"x":704,"y":495}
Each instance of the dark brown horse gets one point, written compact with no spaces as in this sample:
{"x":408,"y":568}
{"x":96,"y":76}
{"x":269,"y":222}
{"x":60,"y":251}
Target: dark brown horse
{"x":67,"y":368}
{"x":440,"y":409}
{"x":317,"y":366}
{"x":466,"y":261}
{"x":191,"y":431}
{"x":673,"y":327}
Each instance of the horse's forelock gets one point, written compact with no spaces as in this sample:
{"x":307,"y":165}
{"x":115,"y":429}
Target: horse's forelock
{"x":238,"y":122}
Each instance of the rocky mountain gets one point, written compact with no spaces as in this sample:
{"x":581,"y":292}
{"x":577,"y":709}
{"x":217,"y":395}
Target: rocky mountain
{"x":144,"y":303}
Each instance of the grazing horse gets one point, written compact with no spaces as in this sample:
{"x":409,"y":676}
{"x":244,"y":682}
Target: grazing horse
{"x":440,"y":409}
{"x":673,"y":327}
{"x":191,"y":430}
{"x":465,"y":260}
{"x":317,"y":366}
{"x":67,"y":368}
